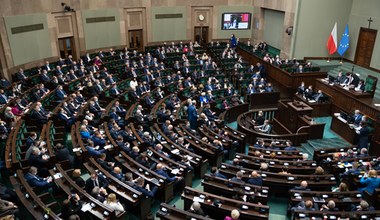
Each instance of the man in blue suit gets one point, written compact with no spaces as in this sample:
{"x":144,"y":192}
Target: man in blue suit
{"x":192,"y":115}
{"x":36,"y":181}
{"x":160,"y":170}
{"x":357,"y":117}
{"x":60,"y":94}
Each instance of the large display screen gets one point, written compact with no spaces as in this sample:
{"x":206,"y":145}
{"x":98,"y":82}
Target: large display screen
{"x":236,"y":21}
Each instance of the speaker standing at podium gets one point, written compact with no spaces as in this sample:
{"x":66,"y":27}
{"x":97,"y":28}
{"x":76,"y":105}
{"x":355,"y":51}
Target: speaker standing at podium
{"x":363,"y":133}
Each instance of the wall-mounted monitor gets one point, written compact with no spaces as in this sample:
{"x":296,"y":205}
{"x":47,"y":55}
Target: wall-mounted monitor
{"x":236,"y":21}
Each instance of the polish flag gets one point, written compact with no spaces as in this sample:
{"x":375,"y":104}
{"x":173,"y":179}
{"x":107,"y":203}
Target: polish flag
{"x":332,"y":41}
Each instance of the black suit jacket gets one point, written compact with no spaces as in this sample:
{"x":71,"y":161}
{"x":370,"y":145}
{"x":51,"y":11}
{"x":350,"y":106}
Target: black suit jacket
{"x":90,"y":184}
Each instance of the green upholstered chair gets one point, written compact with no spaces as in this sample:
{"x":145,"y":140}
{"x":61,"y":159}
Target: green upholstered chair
{"x":370,"y":84}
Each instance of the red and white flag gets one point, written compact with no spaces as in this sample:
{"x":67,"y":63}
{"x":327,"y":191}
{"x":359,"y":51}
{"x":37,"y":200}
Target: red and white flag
{"x":332,"y":41}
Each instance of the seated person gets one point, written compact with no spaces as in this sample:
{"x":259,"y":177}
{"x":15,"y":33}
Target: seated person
{"x":36,"y":181}
{"x":289,"y":146}
{"x":340,"y":78}
{"x":146,"y":190}
{"x":265,"y":128}
{"x":238,"y":177}
{"x":160,"y":169}
{"x":370,"y":181}
{"x":329,"y":207}
{"x":259,"y":119}
{"x":301,"y":89}
{"x":76,"y":177}
{"x":255,"y":179}
{"x":113,"y":204}
{"x":357,"y":117}
{"x":360,"y":87}
{"x":319,"y":96}
{"x":96,"y":180}
{"x":215,"y":173}
{"x":196,"y":209}
{"x":235,"y":100}
{"x":303,"y":186}
{"x":309,"y":93}
{"x":363,"y":206}
{"x":304,"y":206}
{"x":351,"y":81}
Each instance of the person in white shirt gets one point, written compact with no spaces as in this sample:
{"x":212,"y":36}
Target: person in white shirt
{"x":113,"y":204}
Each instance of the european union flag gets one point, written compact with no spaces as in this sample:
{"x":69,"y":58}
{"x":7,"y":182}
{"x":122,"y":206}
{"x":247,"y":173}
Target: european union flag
{"x":344,"y":42}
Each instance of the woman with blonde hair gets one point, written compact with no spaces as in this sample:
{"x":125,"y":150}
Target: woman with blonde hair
{"x":371,"y":181}
{"x":342,"y":188}
{"x":113,"y":204}
{"x":235,"y":214}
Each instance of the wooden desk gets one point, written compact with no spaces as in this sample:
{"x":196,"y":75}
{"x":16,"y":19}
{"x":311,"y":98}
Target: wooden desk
{"x":319,"y":109}
{"x":342,"y":129}
{"x":344,"y":100}
{"x":289,"y":81}
{"x":290,"y":112}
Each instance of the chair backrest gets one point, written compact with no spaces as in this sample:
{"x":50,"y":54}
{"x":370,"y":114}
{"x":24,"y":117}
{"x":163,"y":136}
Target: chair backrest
{"x":370,"y":84}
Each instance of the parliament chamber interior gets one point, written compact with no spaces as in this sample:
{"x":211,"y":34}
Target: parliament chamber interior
{"x":173,"y":109}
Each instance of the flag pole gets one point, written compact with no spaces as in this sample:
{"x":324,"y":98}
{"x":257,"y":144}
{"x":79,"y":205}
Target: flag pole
{"x":341,"y":60}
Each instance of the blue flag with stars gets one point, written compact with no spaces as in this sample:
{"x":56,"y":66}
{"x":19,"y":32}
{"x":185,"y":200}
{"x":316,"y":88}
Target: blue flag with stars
{"x":344,"y":42}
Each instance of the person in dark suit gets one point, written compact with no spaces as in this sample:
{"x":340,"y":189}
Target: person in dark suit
{"x":363,"y":135}
{"x":76,"y":177}
{"x":31,"y":140}
{"x":261,"y":70}
{"x":215,"y":173}
{"x":319,"y":96}
{"x":255,"y":179}
{"x":357,"y":117}
{"x":91,"y":149}
{"x":38,"y":116}
{"x":192,"y":115}
{"x":160,"y":170}
{"x":361,"y":86}
{"x":63,"y":116}
{"x":96,"y":180}
{"x":60,"y":93}
{"x":36,"y":181}
{"x":98,"y":139}
{"x":289,"y":146}
{"x":340,"y":78}
{"x":303,"y":186}
{"x":44,"y":77}
{"x":329,"y":207}
{"x":20,"y":76}
{"x":238,"y":177}
{"x":108,"y":166}
{"x":63,"y":154}
{"x":4,"y":83}
{"x":147,"y":191}
{"x":116,"y":172}
{"x":40,"y":161}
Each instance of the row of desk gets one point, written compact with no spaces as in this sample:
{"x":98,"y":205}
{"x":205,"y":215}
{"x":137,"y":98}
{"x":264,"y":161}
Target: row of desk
{"x":348,"y":101}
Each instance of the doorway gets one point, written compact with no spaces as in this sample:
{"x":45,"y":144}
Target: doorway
{"x":201,"y":35}
{"x":67,"y":47}
{"x":365,"y":45}
{"x":136,"y":40}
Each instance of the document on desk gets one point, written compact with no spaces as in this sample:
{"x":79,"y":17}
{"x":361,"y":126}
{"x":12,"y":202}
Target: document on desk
{"x":198,"y":199}
{"x":57,"y":176}
{"x":342,"y":119}
{"x":377,"y":104}
{"x":86,"y":207}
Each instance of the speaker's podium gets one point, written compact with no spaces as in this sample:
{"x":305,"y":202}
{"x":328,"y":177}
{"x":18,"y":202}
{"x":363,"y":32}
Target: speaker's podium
{"x":296,"y":116}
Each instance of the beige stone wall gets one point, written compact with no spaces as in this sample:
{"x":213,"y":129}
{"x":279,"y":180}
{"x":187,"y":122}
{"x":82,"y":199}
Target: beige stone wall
{"x":56,"y":18}
{"x":287,"y":6}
